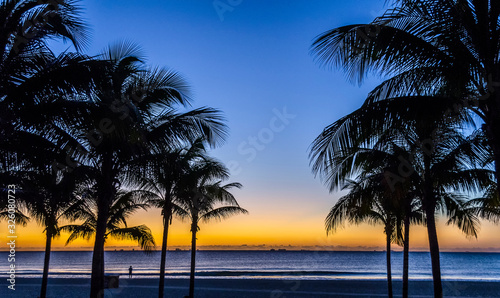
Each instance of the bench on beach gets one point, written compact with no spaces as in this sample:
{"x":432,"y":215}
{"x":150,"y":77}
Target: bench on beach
{"x":111,"y":281}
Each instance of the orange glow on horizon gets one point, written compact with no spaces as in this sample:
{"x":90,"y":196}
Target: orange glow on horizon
{"x":263,"y":232}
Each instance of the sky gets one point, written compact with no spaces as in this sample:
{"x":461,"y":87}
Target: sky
{"x":251,"y":60}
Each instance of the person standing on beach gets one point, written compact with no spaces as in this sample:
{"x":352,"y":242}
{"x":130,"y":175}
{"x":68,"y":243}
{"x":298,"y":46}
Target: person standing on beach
{"x":130,"y":272}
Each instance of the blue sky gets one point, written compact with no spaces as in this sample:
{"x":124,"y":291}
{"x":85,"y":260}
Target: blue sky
{"x":251,"y":60}
{"x":247,"y":62}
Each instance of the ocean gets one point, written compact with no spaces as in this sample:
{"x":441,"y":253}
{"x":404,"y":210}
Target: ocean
{"x":311,"y":265}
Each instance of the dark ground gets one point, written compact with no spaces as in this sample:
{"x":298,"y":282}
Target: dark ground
{"x":219,"y":288}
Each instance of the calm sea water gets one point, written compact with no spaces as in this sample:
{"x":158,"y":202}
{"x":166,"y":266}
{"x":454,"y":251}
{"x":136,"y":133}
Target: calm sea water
{"x":262,"y":264}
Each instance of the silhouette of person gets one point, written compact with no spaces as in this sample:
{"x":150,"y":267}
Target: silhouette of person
{"x":130,"y":272}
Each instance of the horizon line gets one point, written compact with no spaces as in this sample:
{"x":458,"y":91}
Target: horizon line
{"x":268,"y":249}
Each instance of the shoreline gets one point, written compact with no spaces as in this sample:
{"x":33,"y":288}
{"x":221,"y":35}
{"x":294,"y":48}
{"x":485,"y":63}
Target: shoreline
{"x":472,"y":251}
{"x":270,"y":277}
{"x":211,"y":287}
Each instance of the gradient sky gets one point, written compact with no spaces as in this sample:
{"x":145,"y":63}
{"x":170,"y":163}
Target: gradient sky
{"x":253,"y":62}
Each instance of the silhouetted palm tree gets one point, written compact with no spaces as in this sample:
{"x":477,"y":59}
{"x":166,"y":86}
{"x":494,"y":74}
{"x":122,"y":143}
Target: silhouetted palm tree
{"x":50,"y":199}
{"x":412,"y":214}
{"x":439,"y":158}
{"x":20,"y":215}
{"x":35,"y":85}
{"x":123,"y":206}
{"x":203,"y":198}
{"x":424,"y":46}
{"x":487,"y":206}
{"x":132,"y":113}
{"x":160,"y":174}
{"x":371,"y":198}
{"x":103,"y":113}
{"x":27,"y":27}
{"x":32,"y":78}
{"x":444,"y":168}
{"x":367,"y":201}
{"x":45,"y":194}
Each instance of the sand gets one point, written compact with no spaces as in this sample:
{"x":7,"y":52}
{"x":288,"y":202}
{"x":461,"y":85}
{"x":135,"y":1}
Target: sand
{"x":220,"y":288}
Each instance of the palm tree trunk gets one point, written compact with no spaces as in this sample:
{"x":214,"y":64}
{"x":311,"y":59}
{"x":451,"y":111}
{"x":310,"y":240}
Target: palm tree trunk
{"x":46,"y":260}
{"x":406,"y":253}
{"x":194,"y":228}
{"x":106,"y":192}
{"x":388,"y":258}
{"x":166,"y":222}
{"x":434,"y":250}
{"x":429,"y":206}
{"x":97,"y":277}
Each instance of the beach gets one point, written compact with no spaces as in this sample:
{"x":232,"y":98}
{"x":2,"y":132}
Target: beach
{"x":270,"y":288}
{"x":258,"y":274}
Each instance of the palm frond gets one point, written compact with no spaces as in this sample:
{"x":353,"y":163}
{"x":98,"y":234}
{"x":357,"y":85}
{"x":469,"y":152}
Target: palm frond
{"x":141,"y":234}
{"x":221,"y":213}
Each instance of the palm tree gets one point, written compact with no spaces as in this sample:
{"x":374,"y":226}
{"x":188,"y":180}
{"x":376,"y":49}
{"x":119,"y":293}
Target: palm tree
{"x":39,"y":88}
{"x":205,"y":198}
{"x":31,"y":76}
{"x":48,"y":200}
{"x":34,"y":106}
{"x":444,"y":168}
{"x":48,"y":197}
{"x":440,"y":160}
{"x":45,"y":194}
{"x":487,"y":206}
{"x":21,"y":218}
{"x":367,"y":201}
{"x":123,"y":206}
{"x":371,"y":198}
{"x":412,"y":215}
{"x":161,"y":174}
{"x":423,"y":46}
{"x":27,"y":26}
{"x":132,"y":113}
